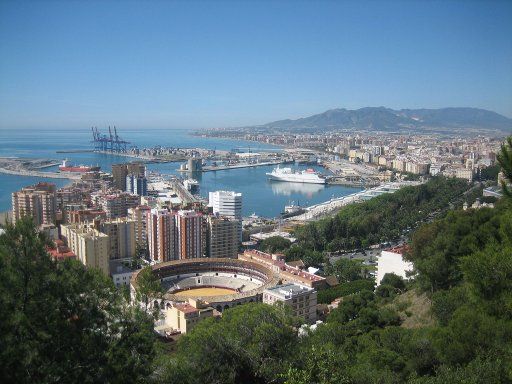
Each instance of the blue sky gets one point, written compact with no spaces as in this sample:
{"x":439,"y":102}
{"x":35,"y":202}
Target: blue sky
{"x":209,"y":64}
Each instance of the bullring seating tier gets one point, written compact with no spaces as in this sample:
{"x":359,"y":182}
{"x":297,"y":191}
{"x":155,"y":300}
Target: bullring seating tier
{"x":250,"y":277}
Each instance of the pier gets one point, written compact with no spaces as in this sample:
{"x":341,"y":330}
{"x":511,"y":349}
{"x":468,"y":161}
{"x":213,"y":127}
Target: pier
{"x":31,"y":167}
{"x":235,"y":166}
{"x":183,"y":193}
{"x":50,"y":175}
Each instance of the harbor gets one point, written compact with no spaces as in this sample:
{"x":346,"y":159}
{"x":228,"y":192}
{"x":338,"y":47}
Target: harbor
{"x":228,"y":165}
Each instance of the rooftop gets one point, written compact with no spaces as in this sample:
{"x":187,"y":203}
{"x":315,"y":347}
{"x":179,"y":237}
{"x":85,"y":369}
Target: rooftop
{"x":287,"y":291}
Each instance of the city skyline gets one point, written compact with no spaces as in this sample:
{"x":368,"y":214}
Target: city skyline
{"x":204,"y":65}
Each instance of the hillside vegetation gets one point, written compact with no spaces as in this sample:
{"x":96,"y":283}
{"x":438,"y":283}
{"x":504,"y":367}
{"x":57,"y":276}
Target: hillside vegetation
{"x":382,"y":218}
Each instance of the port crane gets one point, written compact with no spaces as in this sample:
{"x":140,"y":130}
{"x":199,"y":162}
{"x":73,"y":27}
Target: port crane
{"x":109,"y":143}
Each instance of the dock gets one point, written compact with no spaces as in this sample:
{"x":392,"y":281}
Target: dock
{"x":235,"y":166}
{"x":183,"y":193}
{"x":50,"y":175}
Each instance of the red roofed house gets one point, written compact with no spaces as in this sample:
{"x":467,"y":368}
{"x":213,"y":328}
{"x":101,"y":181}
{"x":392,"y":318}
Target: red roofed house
{"x":61,"y":251}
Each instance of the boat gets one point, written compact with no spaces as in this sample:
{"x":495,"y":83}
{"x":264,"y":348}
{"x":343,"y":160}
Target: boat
{"x":67,"y":167}
{"x":308,"y":176}
{"x":292,"y":210}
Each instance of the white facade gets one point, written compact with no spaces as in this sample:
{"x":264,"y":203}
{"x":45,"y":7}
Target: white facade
{"x":391,"y":261}
{"x":120,"y":272}
{"x":228,"y":204}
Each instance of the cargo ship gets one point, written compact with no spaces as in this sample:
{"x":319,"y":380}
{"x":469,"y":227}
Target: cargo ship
{"x":67,"y":167}
{"x":287,"y":174}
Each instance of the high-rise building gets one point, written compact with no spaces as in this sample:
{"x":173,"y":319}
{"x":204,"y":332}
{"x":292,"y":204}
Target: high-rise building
{"x":38,"y":201}
{"x":121,"y":233}
{"x":229,"y":204}
{"x":138,"y":185}
{"x":136,"y":168}
{"x":89,"y":245}
{"x":223,"y":238}
{"x":162,"y":235}
{"x":139,"y":215}
{"x":191,"y":234}
{"x":120,"y":171}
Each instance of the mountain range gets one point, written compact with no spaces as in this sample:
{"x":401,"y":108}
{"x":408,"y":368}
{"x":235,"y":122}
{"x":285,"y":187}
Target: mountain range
{"x":386,"y":119}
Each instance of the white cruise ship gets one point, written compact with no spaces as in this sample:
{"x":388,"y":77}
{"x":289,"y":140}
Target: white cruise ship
{"x":287,"y":174}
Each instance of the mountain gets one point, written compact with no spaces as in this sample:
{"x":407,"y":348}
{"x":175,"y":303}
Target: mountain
{"x":386,"y":119}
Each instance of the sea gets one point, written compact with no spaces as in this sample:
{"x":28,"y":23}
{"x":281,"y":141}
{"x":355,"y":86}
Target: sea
{"x":260,"y":196}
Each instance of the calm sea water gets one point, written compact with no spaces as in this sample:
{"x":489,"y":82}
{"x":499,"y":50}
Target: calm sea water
{"x":260,"y":196}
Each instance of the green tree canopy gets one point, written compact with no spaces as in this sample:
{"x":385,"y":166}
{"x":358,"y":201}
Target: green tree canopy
{"x":61,"y":322}
{"x":275,"y":244}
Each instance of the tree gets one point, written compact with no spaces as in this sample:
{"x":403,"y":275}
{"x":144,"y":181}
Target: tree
{"x":394,"y":281}
{"x":295,"y":252}
{"x":345,"y":270}
{"x":319,"y":366}
{"x":62,"y":322}
{"x":247,"y":345}
{"x":275,"y":244}
{"x":505,"y":160}
{"x":148,"y":288}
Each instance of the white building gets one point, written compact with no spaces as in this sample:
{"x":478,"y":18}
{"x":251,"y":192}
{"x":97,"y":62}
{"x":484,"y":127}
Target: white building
{"x":121,"y":272}
{"x":391,"y":261}
{"x":301,"y":299}
{"x":227,"y":203}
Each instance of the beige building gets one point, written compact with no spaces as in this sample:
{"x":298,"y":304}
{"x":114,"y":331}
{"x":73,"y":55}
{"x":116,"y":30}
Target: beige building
{"x":464,"y":173}
{"x":399,"y":165}
{"x":287,"y":273}
{"x":301,"y":299}
{"x":184,"y":317}
{"x":139,"y":215}
{"x":223,"y":238}
{"x":37,"y":201}
{"x":416,"y":168}
{"x":121,"y":233}
{"x":89,"y":245}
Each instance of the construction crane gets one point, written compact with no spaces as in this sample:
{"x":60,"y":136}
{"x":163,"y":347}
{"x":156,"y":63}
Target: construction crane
{"x":108,"y":143}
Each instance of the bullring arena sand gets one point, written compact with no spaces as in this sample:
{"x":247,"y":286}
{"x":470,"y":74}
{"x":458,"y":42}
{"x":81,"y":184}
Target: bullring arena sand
{"x":203,"y":292}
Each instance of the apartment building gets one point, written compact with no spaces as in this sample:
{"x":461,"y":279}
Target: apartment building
{"x":88,"y":244}
{"x":162,"y":235}
{"x":191,"y":234}
{"x":223,"y":236}
{"x":228,"y":204}
{"x":301,"y":299}
{"x":121,"y":233}
{"x":38,"y":201}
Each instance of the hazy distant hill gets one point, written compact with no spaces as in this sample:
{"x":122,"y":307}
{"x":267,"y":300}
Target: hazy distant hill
{"x":385,"y":119}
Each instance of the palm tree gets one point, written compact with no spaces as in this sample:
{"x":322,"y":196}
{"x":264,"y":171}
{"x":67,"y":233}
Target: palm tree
{"x":505,"y":160}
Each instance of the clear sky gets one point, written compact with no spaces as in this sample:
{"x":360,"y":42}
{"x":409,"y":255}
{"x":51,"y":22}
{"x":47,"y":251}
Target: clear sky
{"x":208,"y":64}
